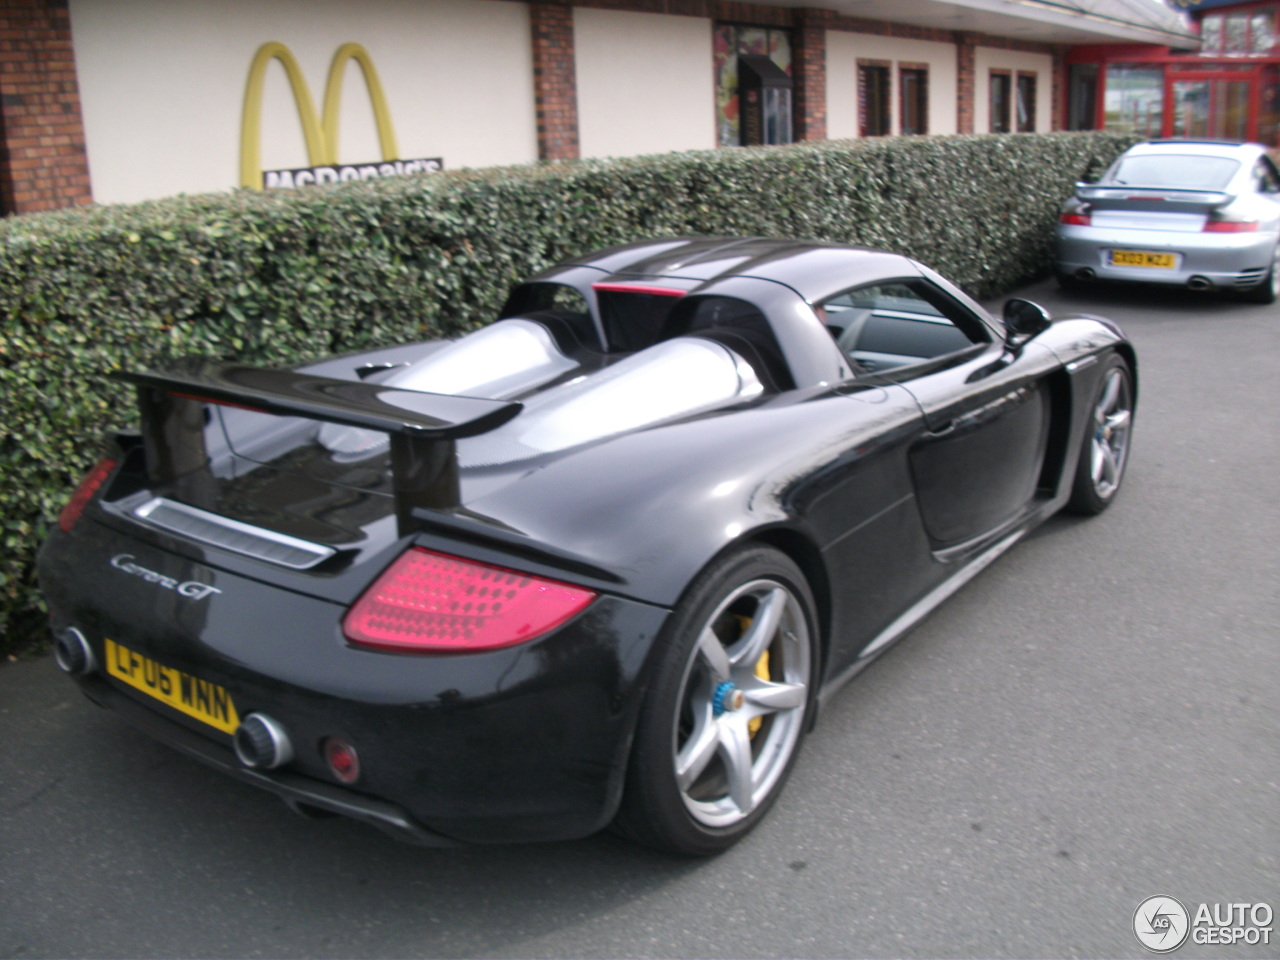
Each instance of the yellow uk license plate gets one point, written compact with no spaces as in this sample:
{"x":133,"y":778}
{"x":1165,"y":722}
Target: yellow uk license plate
{"x":207,"y":702}
{"x":1141,"y":258}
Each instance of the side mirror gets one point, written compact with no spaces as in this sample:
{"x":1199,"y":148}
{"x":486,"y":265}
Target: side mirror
{"x":1024,"y":320}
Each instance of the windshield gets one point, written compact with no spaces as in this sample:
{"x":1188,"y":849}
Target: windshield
{"x":1173,"y":170}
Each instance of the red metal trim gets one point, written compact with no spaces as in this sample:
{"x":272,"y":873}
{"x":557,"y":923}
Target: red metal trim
{"x":1200,"y":13}
{"x":1139,"y":56}
{"x":637,"y":288}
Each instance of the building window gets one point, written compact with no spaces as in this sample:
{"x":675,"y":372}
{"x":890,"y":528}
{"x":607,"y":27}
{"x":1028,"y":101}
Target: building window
{"x":1262,"y":31}
{"x":873,"y":98}
{"x":1026,"y":103}
{"x":1001,"y":101}
{"x":1134,"y":100}
{"x":1245,"y":32}
{"x":1269,"y":112}
{"x":1235,"y":36}
{"x":913,"y":94}
{"x":1082,"y":96}
{"x":731,"y":41}
{"x":1211,"y":34}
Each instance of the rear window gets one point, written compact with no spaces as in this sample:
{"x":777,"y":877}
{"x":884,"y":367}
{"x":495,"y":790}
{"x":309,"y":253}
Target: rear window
{"x":1173,"y":170}
{"x":559,"y":298}
{"x":633,"y":320}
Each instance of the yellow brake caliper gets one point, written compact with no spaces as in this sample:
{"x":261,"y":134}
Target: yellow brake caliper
{"x":762,"y":671}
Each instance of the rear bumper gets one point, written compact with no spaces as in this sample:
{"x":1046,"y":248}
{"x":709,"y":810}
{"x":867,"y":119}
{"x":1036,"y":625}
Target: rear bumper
{"x":294,"y":789}
{"x":1226,"y":260}
{"x":525,"y":743}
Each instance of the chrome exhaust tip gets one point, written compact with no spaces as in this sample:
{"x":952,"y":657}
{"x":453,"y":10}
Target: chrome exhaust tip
{"x":72,"y":652}
{"x":1086,"y":273}
{"x":1200,"y":283}
{"x":261,"y":743}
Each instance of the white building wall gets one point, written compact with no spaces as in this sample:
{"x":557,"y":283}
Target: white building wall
{"x":845,"y":49}
{"x":987,"y":59}
{"x":645,"y":83}
{"x":162,"y":85}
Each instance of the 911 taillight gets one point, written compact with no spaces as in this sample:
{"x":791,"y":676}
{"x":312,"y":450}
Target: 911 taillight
{"x":90,"y":485}
{"x":428,"y":602}
{"x":1230,"y":226}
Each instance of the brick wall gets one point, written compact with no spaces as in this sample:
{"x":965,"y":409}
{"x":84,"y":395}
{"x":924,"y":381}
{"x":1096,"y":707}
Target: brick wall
{"x":555,"y":83}
{"x":966,"y":83}
{"x":1058,"y":105}
{"x":809,"y":74}
{"x":43,"y":164}
{"x":809,"y":26}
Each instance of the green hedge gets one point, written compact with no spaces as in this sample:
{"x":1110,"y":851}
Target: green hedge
{"x":287,"y":276}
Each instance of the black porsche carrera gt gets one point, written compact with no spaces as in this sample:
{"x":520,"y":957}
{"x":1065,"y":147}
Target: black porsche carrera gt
{"x":598,"y":562}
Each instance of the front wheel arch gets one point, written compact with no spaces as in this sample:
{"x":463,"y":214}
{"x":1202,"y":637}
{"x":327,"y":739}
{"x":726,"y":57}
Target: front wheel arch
{"x":804,"y":553}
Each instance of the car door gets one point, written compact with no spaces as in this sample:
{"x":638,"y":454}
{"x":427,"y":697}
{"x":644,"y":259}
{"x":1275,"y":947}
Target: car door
{"x":976,"y":468}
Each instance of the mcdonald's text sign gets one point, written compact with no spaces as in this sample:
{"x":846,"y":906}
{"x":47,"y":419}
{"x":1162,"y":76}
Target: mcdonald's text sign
{"x":347,"y":172}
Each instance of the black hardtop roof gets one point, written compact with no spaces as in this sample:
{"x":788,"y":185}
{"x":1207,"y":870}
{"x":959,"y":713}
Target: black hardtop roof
{"x":813,"y":269}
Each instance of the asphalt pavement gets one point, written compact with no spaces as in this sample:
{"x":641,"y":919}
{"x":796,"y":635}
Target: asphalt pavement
{"x":1092,"y":721}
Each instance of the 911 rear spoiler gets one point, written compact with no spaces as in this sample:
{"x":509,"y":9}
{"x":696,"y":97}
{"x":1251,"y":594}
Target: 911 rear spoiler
{"x":423,"y":427}
{"x":1120,"y":193}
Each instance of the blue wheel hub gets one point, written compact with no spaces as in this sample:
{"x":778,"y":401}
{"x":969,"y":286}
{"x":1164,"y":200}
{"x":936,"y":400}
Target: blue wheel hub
{"x":722,"y":699}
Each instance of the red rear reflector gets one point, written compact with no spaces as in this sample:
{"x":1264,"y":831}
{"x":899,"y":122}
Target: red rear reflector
{"x":344,"y":762}
{"x":90,"y":485}
{"x":1075,"y":219}
{"x":1230,"y":226}
{"x":428,"y":602}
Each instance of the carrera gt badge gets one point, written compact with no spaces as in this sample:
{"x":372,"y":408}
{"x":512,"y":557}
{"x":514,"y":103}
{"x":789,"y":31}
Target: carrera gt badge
{"x":191,"y":589}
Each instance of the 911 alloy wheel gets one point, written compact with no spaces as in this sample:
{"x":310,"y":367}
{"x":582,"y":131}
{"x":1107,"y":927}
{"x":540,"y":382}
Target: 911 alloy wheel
{"x":1106,"y":443}
{"x":728,"y":709}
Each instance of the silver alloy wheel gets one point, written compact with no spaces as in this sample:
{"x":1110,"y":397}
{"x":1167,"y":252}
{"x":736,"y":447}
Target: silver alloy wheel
{"x":1112,"y":417}
{"x":726,"y":764}
{"x":1274,"y":277}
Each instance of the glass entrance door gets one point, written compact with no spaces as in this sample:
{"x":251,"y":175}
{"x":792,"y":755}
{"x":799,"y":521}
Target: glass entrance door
{"x":1212,"y":105}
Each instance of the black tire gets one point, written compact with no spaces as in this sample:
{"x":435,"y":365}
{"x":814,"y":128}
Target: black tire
{"x":1067,"y":283}
{"x":1104,"y":453}
{"x":706,"y":693}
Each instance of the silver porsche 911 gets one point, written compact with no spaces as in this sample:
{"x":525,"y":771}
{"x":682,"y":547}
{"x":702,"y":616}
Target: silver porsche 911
{"x":1197,"y":213}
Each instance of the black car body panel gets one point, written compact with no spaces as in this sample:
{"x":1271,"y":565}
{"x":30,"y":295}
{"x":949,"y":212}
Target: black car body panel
{"x":888,"y":478}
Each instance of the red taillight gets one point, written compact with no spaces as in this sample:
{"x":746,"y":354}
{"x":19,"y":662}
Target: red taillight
{"x":90,"y":485}
{"x":1075,"y":219}
{"x":1230,"y":226}
{"x":427,"y":601}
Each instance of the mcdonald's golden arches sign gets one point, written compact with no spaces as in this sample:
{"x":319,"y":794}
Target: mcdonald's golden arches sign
{"x":319,"y":132}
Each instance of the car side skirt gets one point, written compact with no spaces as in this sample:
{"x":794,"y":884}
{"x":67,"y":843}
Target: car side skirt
{"x":918,"y":611}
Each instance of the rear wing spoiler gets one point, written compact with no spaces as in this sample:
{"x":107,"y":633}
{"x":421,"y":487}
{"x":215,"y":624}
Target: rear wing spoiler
{"x":423,"y":427}
{"x":1204,"y":199}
